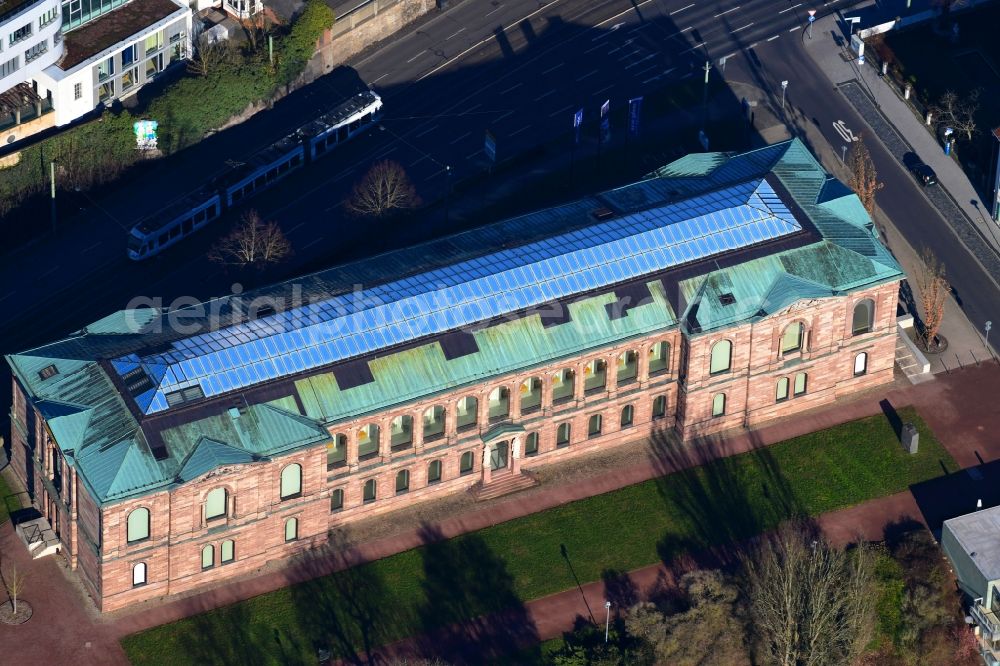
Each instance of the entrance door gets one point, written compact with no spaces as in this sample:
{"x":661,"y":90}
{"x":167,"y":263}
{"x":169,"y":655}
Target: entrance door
{"x":498,"y":457}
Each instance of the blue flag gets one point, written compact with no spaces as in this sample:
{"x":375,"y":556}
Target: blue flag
{"x":634,"y":116}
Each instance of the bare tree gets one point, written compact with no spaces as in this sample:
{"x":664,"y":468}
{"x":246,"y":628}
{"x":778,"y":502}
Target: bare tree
{"x":933,"y":291}
{"x":210,"y":57}
{"x":252,"y":242}
{"x":256,"y":27}
{"x":15,"y":584}
{"x":958,"y":113}
{"x":384,"y":189}
{"x":864,"y":179}
{"x":811,"y":604}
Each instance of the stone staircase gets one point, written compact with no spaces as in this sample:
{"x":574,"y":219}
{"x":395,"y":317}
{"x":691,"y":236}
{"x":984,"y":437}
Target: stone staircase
{"x":503,"y":483}
{"x":909,"y":359}
{"x":39,"y":538}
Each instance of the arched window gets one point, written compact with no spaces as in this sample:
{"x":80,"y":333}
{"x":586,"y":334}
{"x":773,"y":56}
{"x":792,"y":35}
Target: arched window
{"x":659,"y":406}
{"x":722,"y":357}
{"x":531,"y":444}
{"x":531,"y":394}
{"x":595,"y":375}
{"x":434,"y":471}
{"x":402,"y":481}
{"x":499,"y":403}
{"x":628,"y":415}
{"x":215,"y":504}
{"x":864,"y":317}
{"x":208,"y":557}
{"x":860,"y":364}
{"x":228,"y":551}
{"x":563,"y":385}
{"x":781,"y":391}
{"x":659,"y":358}
{"x":336,"y":451}
{"x":368,"y":440}
{"x":291,"y":529}
{"x":138,"y":525}
{"x":337,"y":499}
{"x":291,"y":481}
{"x":433,"y":423}
{"x":401,"y":431}
{"x":799,"y":387}
{"x":791,"y":339}
{"x":563,"y":433}
{"x":139,"y":574}
{"x":466,"y":462}
{"x":468,"y":412}
{"x":628,"y":367}
{"x":370,"y":491}
{"x":719,"y":404}
{"x":594,"y":425}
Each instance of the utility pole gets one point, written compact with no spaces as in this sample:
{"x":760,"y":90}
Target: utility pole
{"x":704,"y":100}
{"x":784,"y":86}
{"x":52,"y":182}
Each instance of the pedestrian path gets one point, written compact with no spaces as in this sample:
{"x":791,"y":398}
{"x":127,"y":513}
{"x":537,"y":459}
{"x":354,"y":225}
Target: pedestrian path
{"x":958,"y":407}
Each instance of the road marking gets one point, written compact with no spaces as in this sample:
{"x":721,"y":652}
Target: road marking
{"x":311,"y":243}
{"x":667,"y":71}
{"x":790,"y":8}
{"x":649,"y":69}
{"x":743,"y":28}
{"x":384,"y":154}
{"x":754,"y":45}
{"x":50,"y":271}
{"x":562,"y":110}
{"x":413,"y":164}
{"x":90,"y":247}
{"x":512,"y":88}
{"x":641,"y":60}
{"x":416,"y":56}
{"x":473,"y":108}
{"x":379,"y":78}
{"x":771,"y":39}
{"x":460,"y":138}
{"x":515,"y":133}
{"x":594,"y":48}
{"x":540,"y":97}
{"x":795,"y":28}
{"x":678,"y":11}
{"x":845,"y":132}
{"x":493,"y":11}
{"x":473,"y":154}
{"x":690,"y":27}
{"x":553,"y":68}
{"x":509,"y":113}
{"x":693,"y":48}
{"x":457,"y":32}
{"x":604,"y":89}
{"x":426,"y":131}
{"x":590,"y":73}
{"x":652,"y":78}
{"x":733,"y":9}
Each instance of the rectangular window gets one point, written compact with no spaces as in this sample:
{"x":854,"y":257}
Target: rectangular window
{"x":105,"y":70}
{"x":800,"y":384}
{"x":659,"y":355}
{"x":10,"y":66}
{"x":36,"y":50}
{"x":77,"y":90}
{"x":562,"y":434}
{"x":719,"y":404}
{"x":228,"y":551}
{"x":177,"y":48}
{"x":47,"y":18}
{"x":154,"y":43}
{"x":129,"y":79}
{"x":128,"y":56}
{"x":781,"y":392}
{"x":20,"y":34}
{"x":153,"y":66}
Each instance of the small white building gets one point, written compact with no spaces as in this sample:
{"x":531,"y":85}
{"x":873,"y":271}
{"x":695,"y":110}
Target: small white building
{"x":69,"y":57}
{"x":972,"y":544}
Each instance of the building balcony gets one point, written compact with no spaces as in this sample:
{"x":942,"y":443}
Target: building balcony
{"x":989,"y":623}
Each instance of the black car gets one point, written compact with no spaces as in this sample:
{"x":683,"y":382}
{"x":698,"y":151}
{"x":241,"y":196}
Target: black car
{"x":924,"y":174}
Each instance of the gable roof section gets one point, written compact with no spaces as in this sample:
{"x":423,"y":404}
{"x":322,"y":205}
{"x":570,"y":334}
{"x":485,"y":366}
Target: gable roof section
{"x":207,"y":455}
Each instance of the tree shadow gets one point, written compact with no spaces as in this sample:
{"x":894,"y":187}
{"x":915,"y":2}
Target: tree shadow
{"x":228,"y":636}
{"x":471,"y":611}
{"x":619,"y":589}
{"x":347,"y":614}
{"x":718,"y":498}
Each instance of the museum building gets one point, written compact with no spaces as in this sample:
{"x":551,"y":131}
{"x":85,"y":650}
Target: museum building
{"x":167,"y":449}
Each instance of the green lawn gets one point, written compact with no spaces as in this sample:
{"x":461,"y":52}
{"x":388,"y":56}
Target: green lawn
{"x":498,"y":568}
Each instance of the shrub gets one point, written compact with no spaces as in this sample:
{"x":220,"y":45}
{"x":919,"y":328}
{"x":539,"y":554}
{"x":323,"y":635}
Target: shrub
{"x":295,"y":48}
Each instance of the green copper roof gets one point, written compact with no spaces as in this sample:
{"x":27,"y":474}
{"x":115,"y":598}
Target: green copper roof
{"x":820,"y":243}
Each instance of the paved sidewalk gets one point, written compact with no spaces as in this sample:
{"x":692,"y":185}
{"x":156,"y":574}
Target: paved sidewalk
{"x":958,"y":407}
{"x":901,"y":131}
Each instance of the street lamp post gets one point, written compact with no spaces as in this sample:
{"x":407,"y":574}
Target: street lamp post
{"x":986,"y":334}
{"x":843,"y":154}
{"x":52,"y":181}
{"x":704,"y":97}
{"x":784,"y":86}
{"x":607,"y":619}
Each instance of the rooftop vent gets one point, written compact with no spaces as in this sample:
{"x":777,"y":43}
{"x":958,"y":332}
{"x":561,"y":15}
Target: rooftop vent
{"x":188,"y":394}
{"x":727,"y":298}
{"x":602,"y":214}
{"x":137,"y":381}
{"x":48,"y":371}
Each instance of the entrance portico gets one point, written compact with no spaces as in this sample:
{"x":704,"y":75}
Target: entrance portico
{"x":502,"y":447}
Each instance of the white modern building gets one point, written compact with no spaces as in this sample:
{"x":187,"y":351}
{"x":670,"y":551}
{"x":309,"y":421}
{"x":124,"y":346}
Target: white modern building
{"x":69,"y":57}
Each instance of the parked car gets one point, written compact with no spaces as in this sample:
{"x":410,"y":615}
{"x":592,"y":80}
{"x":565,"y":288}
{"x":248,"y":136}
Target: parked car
{"x":924,"y":174}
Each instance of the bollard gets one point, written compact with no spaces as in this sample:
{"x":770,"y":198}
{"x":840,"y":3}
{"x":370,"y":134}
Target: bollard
{"x":906,"y":91}
{"x":929,"y":116}
{"x":885,"y":68}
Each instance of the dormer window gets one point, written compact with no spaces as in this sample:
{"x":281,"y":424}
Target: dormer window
{"x":48,"y":371}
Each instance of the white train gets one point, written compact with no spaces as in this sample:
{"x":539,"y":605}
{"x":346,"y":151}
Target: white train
{"x":169,"y":225}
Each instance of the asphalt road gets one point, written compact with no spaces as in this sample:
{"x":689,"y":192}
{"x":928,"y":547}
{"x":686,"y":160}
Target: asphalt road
{"x":520,"y":69}
{"x":812,"y":99}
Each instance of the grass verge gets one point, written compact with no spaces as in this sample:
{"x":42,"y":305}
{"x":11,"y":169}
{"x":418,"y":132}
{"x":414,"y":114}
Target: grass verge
{"x":498,"y":568}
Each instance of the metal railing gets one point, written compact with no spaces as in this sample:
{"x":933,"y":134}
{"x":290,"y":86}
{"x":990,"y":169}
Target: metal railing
{"x":988,"y":622}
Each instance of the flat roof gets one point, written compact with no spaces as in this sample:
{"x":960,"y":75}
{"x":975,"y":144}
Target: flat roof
{"x":979,"y":535}
{"x":116,"y":26}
